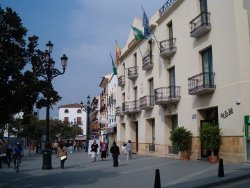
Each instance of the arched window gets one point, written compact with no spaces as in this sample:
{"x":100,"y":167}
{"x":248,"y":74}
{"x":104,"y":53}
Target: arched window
{"x":79,"y":111}
{"x":66,"y":111}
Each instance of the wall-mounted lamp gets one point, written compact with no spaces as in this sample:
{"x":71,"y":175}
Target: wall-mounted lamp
{"x":238,"y":101}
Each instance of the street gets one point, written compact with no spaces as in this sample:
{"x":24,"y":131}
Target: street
{"x":80,"y":171}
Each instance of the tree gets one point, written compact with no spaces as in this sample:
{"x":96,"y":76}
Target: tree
{"x":21,"y":84}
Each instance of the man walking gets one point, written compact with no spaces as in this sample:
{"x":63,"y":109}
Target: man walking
{"x":115,"y":154}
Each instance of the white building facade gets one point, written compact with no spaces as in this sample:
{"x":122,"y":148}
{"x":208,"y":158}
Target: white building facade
{"x":72,"y":113}
{"x":193,"y":70}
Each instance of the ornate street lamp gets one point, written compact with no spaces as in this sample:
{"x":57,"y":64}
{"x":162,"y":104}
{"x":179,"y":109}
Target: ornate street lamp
{"x":87,"y":108}
{"x":48,"y":74}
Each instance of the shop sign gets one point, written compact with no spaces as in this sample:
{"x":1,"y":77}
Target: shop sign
{"x":226,"y":113}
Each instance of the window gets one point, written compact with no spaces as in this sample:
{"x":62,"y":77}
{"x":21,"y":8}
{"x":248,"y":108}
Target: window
{"x":79,"y":111}
{"x":79,"y":120}
{"x":66,"y":119}
{"x":66,"y":111}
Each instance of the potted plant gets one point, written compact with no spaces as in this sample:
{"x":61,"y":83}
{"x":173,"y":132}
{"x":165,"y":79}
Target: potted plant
{"x":181,"y":138}
{"x":210,"y":137}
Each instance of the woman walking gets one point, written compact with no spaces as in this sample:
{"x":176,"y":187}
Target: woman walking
{"x":104,"y":148}
{"x":62,"y":153}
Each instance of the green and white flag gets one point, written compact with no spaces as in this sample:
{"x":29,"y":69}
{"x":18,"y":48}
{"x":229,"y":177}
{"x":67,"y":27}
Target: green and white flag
{"x":113,"y":65}
{"x":138,"y":33}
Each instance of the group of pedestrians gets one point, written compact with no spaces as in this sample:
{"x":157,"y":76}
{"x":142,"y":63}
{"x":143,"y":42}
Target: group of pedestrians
{"x":114,"y":150}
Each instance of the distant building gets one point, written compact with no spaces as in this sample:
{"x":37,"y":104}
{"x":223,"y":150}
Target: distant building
{"x":72,"y":113}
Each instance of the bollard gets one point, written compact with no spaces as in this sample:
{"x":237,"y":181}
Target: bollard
{"x":157,"y":179}
{"x":221,"y":168}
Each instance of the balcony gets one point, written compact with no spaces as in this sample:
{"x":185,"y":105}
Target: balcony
{"x":131,"y":107}
{"x":103,"y":108}
{"x":167,"y":95}
{"x":147,"y":62}
{"x":200,"y":25}
{"x":201,"y":84}
{"x":167,"y":48}
{"x":132,"y":73}
{"x":121,"y":81}
{"x":146,"y":102}
{"x":112,"y":98}
{"x":119,"y":110}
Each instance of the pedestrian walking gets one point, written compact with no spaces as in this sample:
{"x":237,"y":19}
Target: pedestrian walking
{"x":104,"y":148}
{"x":94,"y":148}
{"x":129,"y":150}
{"x":115,"y":154}
{"x":62,"y":153}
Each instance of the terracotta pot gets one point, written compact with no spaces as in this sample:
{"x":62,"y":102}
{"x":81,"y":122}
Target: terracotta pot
{"x":212,"y":159}
{"x":185,"y":156}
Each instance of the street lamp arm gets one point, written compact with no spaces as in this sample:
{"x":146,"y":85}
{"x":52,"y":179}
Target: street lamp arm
{"x":56,"y":72}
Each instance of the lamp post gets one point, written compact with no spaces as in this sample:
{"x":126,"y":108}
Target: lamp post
{"x":87,"y":108}
{"x":48,"y":73}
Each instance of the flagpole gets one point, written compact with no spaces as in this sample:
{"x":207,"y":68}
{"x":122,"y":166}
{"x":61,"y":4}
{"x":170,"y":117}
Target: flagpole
{"x":150,"y":31}
{"x":156,"y":41}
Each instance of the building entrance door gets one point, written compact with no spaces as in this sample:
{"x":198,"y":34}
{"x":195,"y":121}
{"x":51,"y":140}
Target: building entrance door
{"x":210,"y":117}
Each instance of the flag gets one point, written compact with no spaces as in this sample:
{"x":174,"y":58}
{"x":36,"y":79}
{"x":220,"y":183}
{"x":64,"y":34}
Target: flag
{"x":113,"y":65}
{"x":145,"y":24}
{"x":118,"y":54}
{"x":138,"y":33}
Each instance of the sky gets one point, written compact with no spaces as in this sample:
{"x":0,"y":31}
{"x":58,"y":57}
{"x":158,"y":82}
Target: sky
{"x":84,"y":30}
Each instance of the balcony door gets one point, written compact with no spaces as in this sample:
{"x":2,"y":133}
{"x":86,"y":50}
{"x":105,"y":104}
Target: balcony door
{"x":207,"y":67}
{"x":203,"y":7}
{"x":172,"y":92}
{"x":136,"y":98}
{"x":135,"y":59}
{"x":170,"y":35}
{"x":151,"y":90}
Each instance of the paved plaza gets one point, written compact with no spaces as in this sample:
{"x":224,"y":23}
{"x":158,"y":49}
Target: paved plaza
{"x":80,"y":171}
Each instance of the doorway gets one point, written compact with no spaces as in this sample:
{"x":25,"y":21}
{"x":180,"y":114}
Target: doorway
{"x":210,"y":116}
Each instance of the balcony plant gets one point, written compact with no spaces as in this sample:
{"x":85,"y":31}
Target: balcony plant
{"x":210,"y":137}
{"x":181,"y":138}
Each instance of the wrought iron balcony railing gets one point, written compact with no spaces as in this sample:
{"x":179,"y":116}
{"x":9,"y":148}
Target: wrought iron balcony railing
{"x":119,"y":111}
{"x":147,"y":62}
{"x":133,"y":72}
{"x":166,"y":95}
{"x":202,"y":83}
{"x":131,"y":107}
{"x":167,"y":48}
{"x":200,"y":25}
{"x":146,"y":102}
{"x":121,"y":81}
